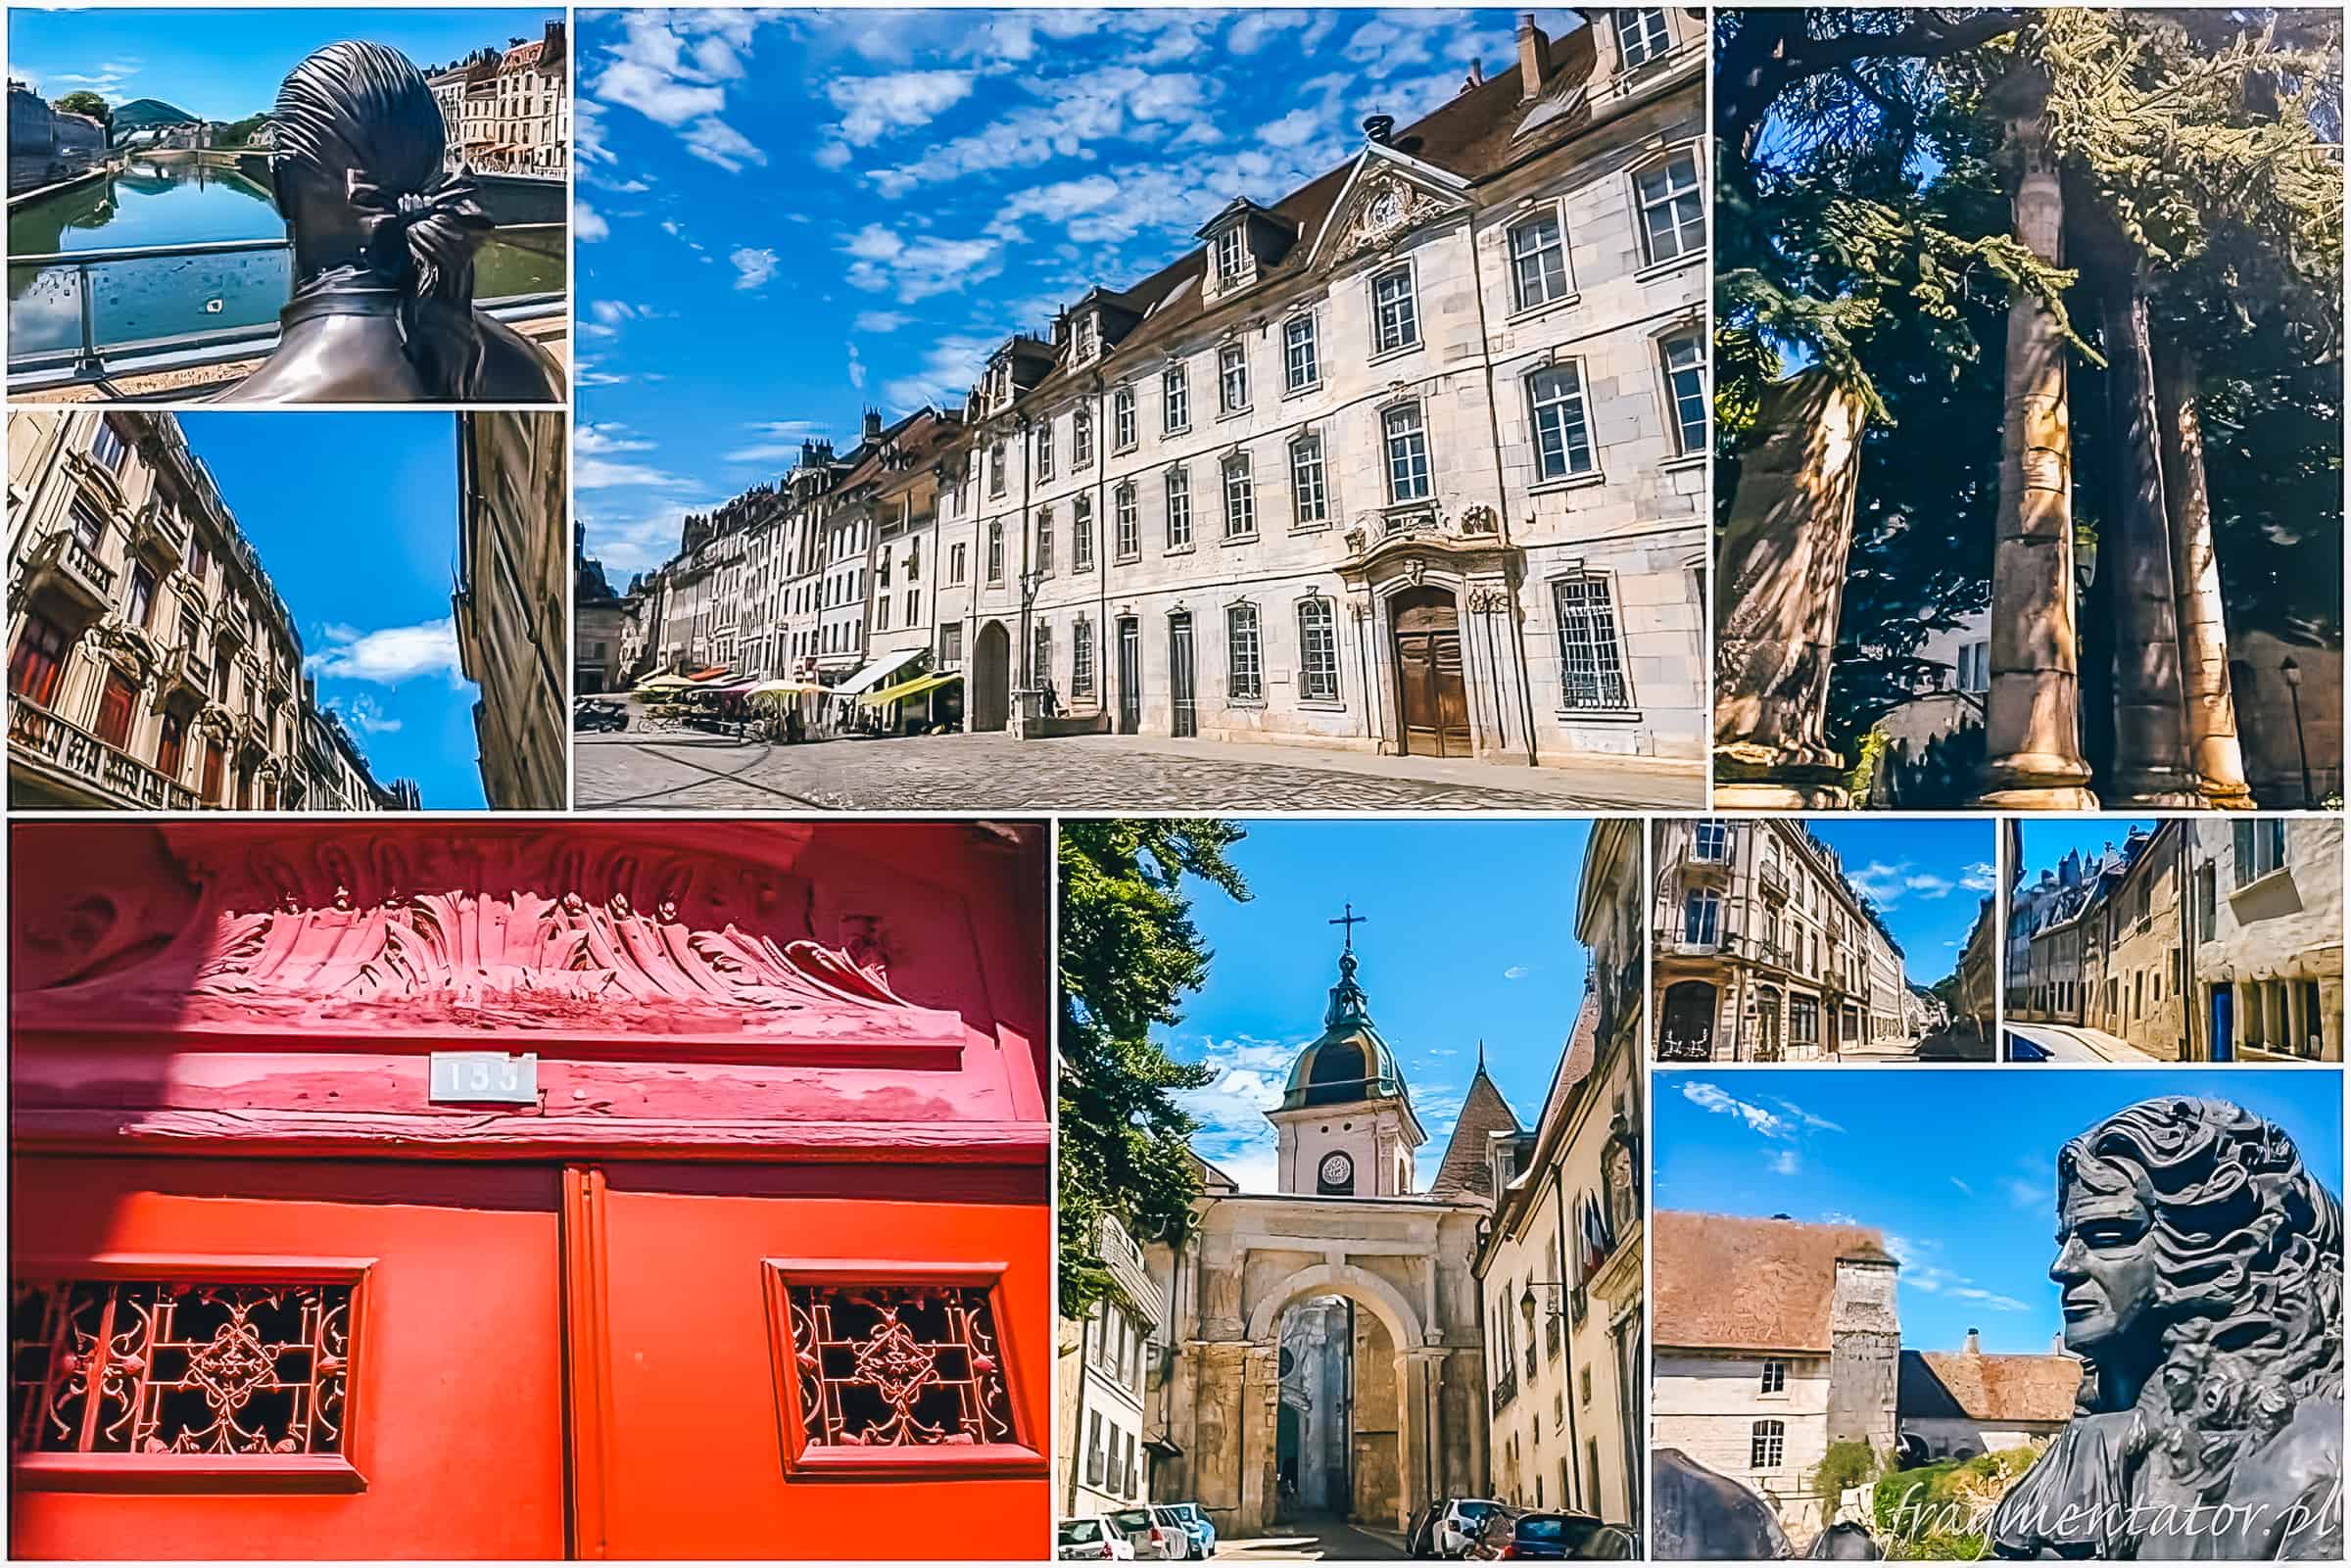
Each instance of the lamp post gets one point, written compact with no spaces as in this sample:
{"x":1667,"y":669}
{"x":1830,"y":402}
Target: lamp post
{"x":2294,"y":691}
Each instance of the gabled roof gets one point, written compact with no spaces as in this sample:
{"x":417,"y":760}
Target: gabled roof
{"x":1734,"y":1282}
{"x":1970,"y":1386}
{"x":1467,"y":1169}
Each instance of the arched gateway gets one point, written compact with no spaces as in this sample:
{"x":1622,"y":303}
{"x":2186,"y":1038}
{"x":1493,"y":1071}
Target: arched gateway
{"x":1328,"y":1346}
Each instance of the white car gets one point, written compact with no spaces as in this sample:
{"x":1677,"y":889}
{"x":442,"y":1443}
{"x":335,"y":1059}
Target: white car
{"x":1458,"y":1524}
{"x":1090,"y":1538}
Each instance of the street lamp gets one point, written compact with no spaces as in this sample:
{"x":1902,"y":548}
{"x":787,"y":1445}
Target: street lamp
{"x":2294,"y":691}
{"x":1031,"y":581}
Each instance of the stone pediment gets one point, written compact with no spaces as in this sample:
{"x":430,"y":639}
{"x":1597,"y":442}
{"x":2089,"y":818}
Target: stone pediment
{"x":1385,"y":202}
{"x":386,"y":934}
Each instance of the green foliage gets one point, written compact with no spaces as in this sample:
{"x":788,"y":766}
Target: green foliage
{"x":1843,"y":1466}
{"x":85,"y":102}
{"x":1935,"y":1511}
{"x":239,"y":132}
{"x":1129,"y":953}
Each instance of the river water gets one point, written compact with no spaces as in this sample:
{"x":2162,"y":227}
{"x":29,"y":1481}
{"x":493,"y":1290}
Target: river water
{"x":184,"y":203}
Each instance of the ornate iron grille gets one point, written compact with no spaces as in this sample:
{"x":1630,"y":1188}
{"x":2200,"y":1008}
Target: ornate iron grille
{"x":899,"y":1365}
{"x":131,"y":1366}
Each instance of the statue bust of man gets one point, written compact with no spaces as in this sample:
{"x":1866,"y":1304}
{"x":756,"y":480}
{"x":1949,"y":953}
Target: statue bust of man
{"x":2201,"y":1272}
{"x":384,"y":241}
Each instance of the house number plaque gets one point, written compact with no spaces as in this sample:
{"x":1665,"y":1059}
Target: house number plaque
{"x":485,"y":1077}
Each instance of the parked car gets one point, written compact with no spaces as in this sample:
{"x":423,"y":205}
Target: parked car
{"x":1421,"y":1542}
{"x":1491,"y":1534}
{"x":1199,"y":1526}
{"x":1090,"y":1538}
{"x":1458,"y":1523}
{"x":1155,"y":1534}
{"x":599,"y":714}
{"x":1550,"y":1536}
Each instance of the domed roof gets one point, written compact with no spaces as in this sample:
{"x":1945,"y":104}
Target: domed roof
{"x":1348,"y":1062}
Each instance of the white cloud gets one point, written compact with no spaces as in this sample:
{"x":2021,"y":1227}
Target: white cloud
{"x":636,"y":541}
{"x":364,"y":713}
{"x":672,"y":68}
{"x":1784,"y":1163}
{"x":1927,"y":884}
{"x":387,"y":656}
{"x":596,"y":440}
{"x":1256,"y":28}
{"x":598,"y":473}
{"x":880,"y":320}
{"x":1122,"y":102}
{"x":950,"y":366}
{"x":753,"y":267}
{"x":856,"y":369}
{"x":717,"y":142}
{"x":883,"y":259}
{"x":873,"y":106}
{"x":1980,"y":877}
{"x":587,"y":226}
{"x":1707,"y":1096}
{"x":1517,"y":971}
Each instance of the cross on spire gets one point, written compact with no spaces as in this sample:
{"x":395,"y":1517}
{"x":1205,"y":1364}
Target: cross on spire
{"x":1350,"y":921}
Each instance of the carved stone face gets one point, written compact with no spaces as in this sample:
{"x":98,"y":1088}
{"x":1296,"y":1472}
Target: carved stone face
{"x":2106,"y":1271}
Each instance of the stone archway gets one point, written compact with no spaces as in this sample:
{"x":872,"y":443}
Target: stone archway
{"x":990,"y":683}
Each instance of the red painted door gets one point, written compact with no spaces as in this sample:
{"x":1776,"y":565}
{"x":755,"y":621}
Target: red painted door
{"x":352,"y":1360}
{"x":821,"y":1361}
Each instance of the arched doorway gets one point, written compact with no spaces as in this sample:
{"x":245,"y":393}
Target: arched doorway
{"x":1765,"y":1014}
{"x":991,"y":683}
{"x":1433,"y":698}
{"x":1686,"y":1025}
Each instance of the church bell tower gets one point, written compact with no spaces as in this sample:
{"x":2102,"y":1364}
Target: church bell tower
{"x":1345,"y":1124}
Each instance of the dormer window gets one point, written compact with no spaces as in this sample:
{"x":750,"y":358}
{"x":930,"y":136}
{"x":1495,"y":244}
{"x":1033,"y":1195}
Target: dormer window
{"x":1082,"y":341}
{"x":1231,"y":258}
{"x":1641,"y":35}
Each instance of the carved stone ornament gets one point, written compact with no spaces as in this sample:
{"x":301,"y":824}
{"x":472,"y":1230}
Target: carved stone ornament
{"x":1480,"y":520}
{"x":125,"y":647}
{"x":1386,"y":210}
{"x":1356,"y":538}
{"x":385,"y":933}
{"x":1415,"y":569}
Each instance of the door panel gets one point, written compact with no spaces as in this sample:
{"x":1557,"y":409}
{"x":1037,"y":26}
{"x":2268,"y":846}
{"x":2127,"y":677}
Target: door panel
{"x":1185,"y":720}
{"x":450,"y":1379}
{"x":714,"y":1455}
{"x":1130,"y":678}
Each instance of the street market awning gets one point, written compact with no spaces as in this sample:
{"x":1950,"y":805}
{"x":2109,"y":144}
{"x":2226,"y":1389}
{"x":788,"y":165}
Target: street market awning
{"x":911,"y":688}
{"x":712,"y":674}
{"x":663,"y":683}
{"x":876,"y":671}
{"x":777,"y":689}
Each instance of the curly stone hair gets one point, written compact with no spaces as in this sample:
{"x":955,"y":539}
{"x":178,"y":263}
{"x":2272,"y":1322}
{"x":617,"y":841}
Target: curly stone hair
{"x":2249,"y":1249}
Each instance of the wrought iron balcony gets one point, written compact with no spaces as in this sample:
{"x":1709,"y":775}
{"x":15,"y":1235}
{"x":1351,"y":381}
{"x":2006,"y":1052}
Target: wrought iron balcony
{"x":1773,"y":880}
{"x":1506,"y":1389}
{"x":184,"y":671}
{"x":64,"y":564}
{"x":71,"y":749}
{"x":159,"y":531}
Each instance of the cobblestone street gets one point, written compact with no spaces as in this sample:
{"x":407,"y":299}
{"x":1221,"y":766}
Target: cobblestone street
{"x":986,"y":773}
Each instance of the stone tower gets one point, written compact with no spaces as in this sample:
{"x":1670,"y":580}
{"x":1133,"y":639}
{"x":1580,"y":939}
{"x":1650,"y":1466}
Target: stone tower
{"x":1345,"y":1124}
{"x":1865,"y":1348}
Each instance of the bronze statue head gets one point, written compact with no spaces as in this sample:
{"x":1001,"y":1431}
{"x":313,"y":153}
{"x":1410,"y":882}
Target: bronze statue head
{"x":2193,"y":1241}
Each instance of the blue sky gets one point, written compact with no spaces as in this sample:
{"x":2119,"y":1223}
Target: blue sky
{"x":1925,"y":875}
{"x":1468,"y":934}
{"x":366,"y":568}
{"x":1956,"y":1168}
{"x":226,"y":64}
{"x":783,"y":217}
{"x":2045,"y":841}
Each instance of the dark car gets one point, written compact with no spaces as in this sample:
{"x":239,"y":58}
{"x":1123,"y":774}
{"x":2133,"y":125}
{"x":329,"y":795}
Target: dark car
{"x":1421,"y":1541}
{"x":1539,"y":1535}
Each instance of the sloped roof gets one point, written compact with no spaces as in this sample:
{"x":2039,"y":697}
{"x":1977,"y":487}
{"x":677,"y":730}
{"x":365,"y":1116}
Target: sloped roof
{"x":1734,"y":1282}
{"x":1987,"y":1388}
{"x":1465,"y":1172}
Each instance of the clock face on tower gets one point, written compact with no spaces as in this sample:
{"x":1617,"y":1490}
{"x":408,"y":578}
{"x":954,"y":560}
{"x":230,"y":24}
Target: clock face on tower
{"x":1337,"y":1171}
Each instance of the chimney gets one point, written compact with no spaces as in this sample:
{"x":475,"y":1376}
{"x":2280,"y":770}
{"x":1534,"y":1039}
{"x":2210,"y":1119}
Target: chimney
{"x":1975,"y":1343}
{"x":1379,"y":128}
{"x":873,"y":424}
{"x":1534,"y":57}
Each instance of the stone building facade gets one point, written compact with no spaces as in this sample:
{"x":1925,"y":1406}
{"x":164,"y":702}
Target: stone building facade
{"x":1756,"y":1382}
{"x":1959,"y":1405}
{"x":2266,"y":922}
{"x":1560,"y":1272}
{"x":152,"y":664}
{"x":1762,"y":950}
{"x":1104,"y":1367}
{"x":1413,"y":459}
{"x":511,"y":603}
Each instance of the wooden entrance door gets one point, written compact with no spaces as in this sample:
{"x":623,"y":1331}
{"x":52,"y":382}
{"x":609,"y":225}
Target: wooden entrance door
{"x":1131,"y":677}
{"x":1433,"y":701}
{"x":1184,"y":717}
{"x":397,"y":1327}
{"x":749,"y":1412}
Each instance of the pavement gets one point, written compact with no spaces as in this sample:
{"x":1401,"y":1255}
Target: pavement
{"x":2069,"y":1042}
{"x":996,"y":773}
{"x":1317,"y":1541}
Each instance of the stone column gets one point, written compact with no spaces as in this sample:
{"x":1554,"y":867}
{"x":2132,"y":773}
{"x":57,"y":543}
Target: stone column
{"x":2213,"y":749}
{"x":2032,"y":715}
{"x":1781,"y":588}
{"x":1256,"y":1429}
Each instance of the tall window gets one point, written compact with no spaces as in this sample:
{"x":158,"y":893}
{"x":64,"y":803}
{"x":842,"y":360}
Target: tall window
{"x":1673,"y":222}
{"x":1044,"y":449}
{"x":1240,"y":497}
{"x":1395,"y":313}
{"x":995,"y":469}
{"x":1562,"y":435}
{"x":2208,"y":904}
{"x":39,"y":657}
{"x":215,"y":762}
{"x":107,"y":446}
{"x":1244,"y":654}
{"x":1538,"y":261}
{"x":1641,"y":35}
{"x":950,"y":642}
{"x":957,"y":563}
{"x":1179,"y":507}
{"x":1044,"y":539}
{"x":1774,"y":1379}
{"x":1318,"y":651}
{"x":90,"y":525}
{"x":1082,"y":532}
{"x":1081,"y":659}
{"x":1175,"y":401}
{"x":1301,"y":366}
{"x":172,"y":749}
{"x":115,"y":705}
{"x":1081,"y":438}
{"x":1310,"y":493}
{"x":1702,"y":917}
{"x":1712,"y":841}
{"x":2260,"y":847}
{"x":1232,"y":378}
{"x":995,"y":551}
{"x":1040,"y":653}
{"x":200,"y":557}
{"x":1229,"y":255}
{"x":1128,"y":518}
{"x":1973,"y":667}
{"x":1685,"y":378}
{"x":1407,"y":453}
{"x":142,"y":595}
{"x":1767,"y":1446}
{"x":1084,"y":338}
{"x":1121,"y":419}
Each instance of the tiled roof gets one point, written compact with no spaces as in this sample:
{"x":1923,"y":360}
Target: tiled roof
{"x":1987,"y":1388}
{"x":1734,"y":1282}
{"x":1466,"y":1171}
